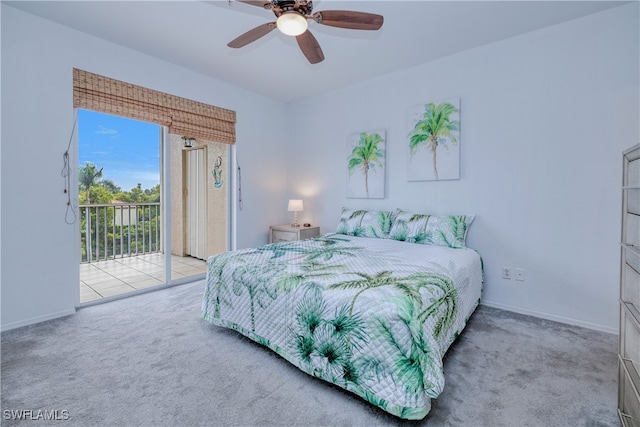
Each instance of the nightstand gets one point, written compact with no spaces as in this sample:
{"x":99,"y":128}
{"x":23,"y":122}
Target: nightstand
{"x":287,"y":233}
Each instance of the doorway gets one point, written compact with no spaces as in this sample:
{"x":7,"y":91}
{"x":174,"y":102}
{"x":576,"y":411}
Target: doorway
{"x":195,"y":201}
{"x":199,"y":197}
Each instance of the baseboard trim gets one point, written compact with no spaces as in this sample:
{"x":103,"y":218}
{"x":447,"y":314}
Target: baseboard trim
{"x":34,"y":320}
{"x":556,"y":318}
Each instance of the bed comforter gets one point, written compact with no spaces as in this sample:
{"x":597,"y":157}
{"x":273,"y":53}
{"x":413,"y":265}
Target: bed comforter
{"x":373,"y":316}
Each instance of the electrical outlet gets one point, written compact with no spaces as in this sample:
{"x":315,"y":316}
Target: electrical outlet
{"x":520,"y":274}
{"x":506,"y":273}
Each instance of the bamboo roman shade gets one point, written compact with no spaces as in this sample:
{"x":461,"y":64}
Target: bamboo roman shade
{"x":183,"y":116}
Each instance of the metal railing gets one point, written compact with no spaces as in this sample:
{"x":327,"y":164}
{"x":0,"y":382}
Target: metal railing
{"x":118,"y":230}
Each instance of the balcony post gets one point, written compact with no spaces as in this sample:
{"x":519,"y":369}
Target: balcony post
{"x":87,"y":237}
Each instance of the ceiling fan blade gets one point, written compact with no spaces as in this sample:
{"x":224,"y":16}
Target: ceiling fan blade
{"x":252,"y":35}
{"x":310,"y":47}
{"x":255,"y":3}
{"x":348,"y":19}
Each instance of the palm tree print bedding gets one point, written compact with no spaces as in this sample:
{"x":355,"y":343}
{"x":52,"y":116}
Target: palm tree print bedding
{"x":373,"y":316}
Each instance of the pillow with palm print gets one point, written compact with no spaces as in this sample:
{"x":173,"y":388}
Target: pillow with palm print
{"x":449,"y":230}
{"x":350,"y":220}
{"x":410,"y":227}
{"x":377,"y":224}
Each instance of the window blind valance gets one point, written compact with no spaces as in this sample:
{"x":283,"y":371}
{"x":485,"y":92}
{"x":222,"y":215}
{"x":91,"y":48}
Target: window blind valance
{"x":183,"y":116}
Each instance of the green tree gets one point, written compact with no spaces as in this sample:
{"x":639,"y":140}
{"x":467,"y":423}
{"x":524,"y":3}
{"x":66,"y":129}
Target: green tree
{"x":435,"y":128}
{"x":101,"y":195}
{"x":366,"y":155}
{"x":153,"y":195}
{"x":137,"y":195}
{"x":110,"y":185}
{"x":87,"y":177}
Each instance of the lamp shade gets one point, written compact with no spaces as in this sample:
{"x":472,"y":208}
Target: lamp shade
{"x":295,"y":205}
{"x":292,"y":23}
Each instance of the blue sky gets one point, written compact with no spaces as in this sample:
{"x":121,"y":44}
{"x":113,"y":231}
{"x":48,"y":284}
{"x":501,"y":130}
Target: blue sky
{"x":128,"y":150}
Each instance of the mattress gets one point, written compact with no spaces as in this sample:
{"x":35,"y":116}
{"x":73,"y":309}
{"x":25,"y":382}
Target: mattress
{"x":373,"y":316}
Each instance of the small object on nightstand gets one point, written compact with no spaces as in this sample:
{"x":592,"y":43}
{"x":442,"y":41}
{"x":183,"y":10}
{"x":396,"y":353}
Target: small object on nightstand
{"x":306,"y":224}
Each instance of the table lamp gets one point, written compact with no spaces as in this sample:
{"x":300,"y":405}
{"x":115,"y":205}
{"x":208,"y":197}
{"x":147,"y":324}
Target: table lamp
{"x":295,"y":206}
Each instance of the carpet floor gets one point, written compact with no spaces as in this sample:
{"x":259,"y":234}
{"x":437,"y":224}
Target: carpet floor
{"x":151,"y":360}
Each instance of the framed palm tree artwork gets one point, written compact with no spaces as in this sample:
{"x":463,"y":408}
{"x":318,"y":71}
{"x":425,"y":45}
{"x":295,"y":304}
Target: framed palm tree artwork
{"x":365,"y":164}
{"x":434,"y":141}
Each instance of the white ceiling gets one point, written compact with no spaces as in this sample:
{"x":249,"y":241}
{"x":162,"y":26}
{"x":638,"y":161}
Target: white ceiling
{"x":194,"y":34}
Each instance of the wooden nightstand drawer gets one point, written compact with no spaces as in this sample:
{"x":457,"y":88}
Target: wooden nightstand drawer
{"x":283,"y":236}
{"x":309,"y":232}
{"x":287,"y":233}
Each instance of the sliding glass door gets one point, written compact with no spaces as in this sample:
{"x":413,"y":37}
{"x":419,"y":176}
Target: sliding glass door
{"x":149,"y":206}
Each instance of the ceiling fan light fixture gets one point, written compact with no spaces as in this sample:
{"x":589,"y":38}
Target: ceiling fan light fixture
{"x":292,"y":23}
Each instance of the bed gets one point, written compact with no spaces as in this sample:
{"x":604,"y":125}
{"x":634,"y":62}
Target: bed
{"x":372,"y":308}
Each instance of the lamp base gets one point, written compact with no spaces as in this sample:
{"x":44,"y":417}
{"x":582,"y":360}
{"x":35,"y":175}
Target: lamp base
{"x":295,"y":220}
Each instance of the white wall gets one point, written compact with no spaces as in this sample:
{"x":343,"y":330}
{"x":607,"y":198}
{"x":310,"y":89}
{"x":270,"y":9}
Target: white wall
{"x":39,"y":251}
{"x":544,"y":119}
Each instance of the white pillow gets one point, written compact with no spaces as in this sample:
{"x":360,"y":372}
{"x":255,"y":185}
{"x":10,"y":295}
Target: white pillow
{"x":350,"y":220}
{"x":409,"y":227}
{"x":449,"y":230}
{"x":377,"y":224}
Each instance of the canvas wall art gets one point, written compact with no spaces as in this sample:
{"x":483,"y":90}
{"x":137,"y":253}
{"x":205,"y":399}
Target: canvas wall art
{"x":366,"y":164}
{"x":433,"y":141}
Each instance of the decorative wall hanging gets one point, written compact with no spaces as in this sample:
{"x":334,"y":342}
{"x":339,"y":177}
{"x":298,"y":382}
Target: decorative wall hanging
{"x":217,"y":172}
{"x":434,"y":141}
{"x":365,"y":164}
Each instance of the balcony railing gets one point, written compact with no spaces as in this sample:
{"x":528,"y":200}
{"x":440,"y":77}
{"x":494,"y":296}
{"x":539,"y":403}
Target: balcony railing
{"x":118,"y":230}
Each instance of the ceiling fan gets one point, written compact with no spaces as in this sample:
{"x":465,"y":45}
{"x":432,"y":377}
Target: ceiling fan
{"x":292,"y":16}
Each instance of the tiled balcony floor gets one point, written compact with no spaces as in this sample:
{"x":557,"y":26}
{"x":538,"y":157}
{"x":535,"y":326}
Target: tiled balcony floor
{"x":107,"y":278}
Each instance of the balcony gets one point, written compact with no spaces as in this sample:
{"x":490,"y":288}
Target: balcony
{"x":121,"y":250}
{"x":118,"y":230}
{"x":122,"y":275}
